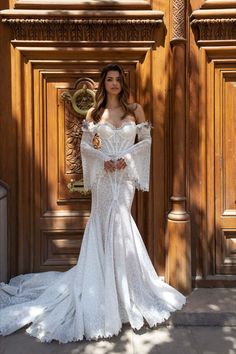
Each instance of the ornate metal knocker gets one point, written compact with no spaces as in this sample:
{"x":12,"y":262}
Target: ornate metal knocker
{"x":81,"y":100}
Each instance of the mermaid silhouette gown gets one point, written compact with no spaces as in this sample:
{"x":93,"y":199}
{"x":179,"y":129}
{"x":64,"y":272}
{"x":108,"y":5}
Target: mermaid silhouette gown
{"x":114,"y":281}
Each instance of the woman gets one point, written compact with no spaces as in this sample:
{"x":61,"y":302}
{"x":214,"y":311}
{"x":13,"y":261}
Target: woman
{"x":114,"y":281}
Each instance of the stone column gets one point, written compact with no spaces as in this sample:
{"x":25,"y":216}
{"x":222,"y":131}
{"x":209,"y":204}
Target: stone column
{"x":178,"y":225}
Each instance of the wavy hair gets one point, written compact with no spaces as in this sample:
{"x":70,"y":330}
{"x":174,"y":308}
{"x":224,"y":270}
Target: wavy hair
{"x":101,"y":94}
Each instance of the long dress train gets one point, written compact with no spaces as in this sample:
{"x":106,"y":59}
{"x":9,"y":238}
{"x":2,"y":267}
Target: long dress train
{"x":114,"y":281}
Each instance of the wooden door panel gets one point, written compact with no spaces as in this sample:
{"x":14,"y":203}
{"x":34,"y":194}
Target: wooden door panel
{"x":60,"y":247}
{"x":228,"y":152}
{"x":61,"y":216}
{"x":225,"y":169}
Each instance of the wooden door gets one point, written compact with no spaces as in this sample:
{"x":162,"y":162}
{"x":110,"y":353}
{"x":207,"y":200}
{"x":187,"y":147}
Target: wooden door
{"x":212,"y":123}
{"x":52,"y":219}
{"x":61,"y":211}
{"x":225,"y":169}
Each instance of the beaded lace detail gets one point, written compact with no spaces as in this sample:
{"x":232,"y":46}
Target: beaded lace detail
{"x":117,"y":142}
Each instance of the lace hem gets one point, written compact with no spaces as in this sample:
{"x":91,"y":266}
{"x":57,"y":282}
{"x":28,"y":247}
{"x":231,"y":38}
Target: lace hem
{"x":163,"y":317}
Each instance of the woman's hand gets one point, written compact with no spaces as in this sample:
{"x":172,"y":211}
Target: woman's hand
{"x":109,"y":166}
{"x":120,"y":164}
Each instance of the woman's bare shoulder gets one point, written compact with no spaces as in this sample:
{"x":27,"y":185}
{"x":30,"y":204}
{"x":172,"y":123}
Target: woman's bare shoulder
{"x":139,"y":112}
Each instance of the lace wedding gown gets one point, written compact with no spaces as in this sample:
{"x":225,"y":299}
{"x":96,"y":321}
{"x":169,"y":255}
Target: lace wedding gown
{"x":114,"y":280}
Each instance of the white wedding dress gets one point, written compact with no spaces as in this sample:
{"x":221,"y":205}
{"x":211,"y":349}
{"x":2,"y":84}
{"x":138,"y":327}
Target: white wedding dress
{"x":114,"y":281}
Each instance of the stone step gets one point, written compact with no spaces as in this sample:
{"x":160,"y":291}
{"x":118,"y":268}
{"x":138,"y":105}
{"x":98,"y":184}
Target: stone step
{"x":207,"y":307}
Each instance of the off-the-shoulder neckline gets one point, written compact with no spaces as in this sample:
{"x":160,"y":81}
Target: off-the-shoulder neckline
{"x":138,"y":125}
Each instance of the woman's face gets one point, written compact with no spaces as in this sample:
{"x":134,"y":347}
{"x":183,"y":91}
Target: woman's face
{"x":112,"y":82}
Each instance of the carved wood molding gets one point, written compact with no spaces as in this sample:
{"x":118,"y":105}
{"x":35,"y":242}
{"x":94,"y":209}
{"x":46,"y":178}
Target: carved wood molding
{"x":214,"y":24}
{"x":215,"y":29}
{"x":108,"y":26}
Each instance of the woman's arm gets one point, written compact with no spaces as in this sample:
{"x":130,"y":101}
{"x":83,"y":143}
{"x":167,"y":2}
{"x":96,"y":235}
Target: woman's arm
{"x":139,"y":114}
{"x":137,"y":157}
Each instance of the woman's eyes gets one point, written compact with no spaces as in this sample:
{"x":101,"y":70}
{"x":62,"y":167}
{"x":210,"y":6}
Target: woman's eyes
{"x":118,"y":79}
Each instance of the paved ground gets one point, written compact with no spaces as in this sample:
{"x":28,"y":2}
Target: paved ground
{"x":162,"y":340}
{"x":208,"y":307}
{"x":206,"y":325}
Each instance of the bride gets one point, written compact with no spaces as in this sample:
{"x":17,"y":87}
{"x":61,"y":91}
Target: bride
{"x":114,"y":281}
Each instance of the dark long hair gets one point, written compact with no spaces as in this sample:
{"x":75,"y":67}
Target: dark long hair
{"x":101,"y":94}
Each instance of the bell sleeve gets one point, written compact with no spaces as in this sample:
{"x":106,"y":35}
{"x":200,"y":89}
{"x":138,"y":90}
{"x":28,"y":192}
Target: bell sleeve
{"x":92,"y":159}
{"x":137,"y":157}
